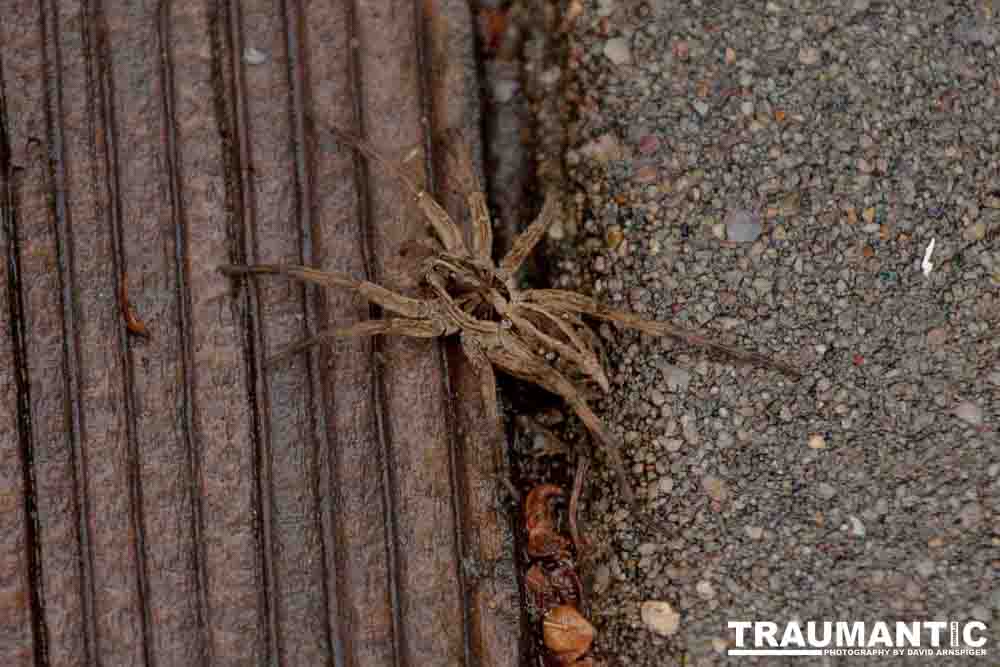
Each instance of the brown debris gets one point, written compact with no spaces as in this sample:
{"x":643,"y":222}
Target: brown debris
{"x":567,"y":634}
{"x":132,"y":321}
{"x":553,"y":586}
{"x":500,"y":326}
{"x":543,"y":540}
{"x":492,"y":26}
{"x":574,"y":502}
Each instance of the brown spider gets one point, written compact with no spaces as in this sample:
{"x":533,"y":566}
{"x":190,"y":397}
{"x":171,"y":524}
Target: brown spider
{"x":498,"y":324}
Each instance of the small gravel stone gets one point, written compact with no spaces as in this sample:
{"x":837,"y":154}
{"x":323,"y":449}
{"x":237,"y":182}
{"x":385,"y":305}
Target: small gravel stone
{"x":742,"y":227}
{"x":660,"y":617}
{"x":617,"y":51}
{"x":754,"y":532}
{"x":690,"y":429}
{"x":604,"y":148}
{"x":981,"y":613}
{"x":971,"y":515}
{"x":665,"y":485}
{"x":808,"y":55}
{"x":857,"y":527}
{"x":649,"y":143}
{"x":937,"y":336}
{"x":602,"y":577}
{"x":606,"y":7}
{"x":969,"y":412}
{"x":252,"y":56}
{"x":503,"y":90}
{"x":817,"y":441}
{"x":676,"y":378}
{"x":715,"y":488}
{"x":826,"y":491}
{"x":705,"y":590}
{"x":975,"y":231}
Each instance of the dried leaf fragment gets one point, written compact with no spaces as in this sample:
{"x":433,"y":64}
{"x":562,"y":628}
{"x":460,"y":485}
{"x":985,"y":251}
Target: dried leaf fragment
{"x":132,"y":321}
{"x":535,"y":581}
{"x":543,"y":540}
{"x":537,"y":510}
{"x":492,"y":25}
{"x":567,"y":633}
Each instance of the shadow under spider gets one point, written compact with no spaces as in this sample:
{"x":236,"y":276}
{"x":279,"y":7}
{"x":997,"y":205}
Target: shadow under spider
{"x":499,"y":325}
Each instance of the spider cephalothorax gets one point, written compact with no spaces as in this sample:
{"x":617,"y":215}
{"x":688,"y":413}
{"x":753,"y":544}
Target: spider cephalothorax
{"x":499,"y":325}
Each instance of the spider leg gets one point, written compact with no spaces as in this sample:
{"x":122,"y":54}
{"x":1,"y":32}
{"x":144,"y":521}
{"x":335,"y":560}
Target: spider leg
{"x":591,"y":339}
{"x":529,"y":238}
{"x":513,"y":357}
{"x":376,"y":294}
{"x":583,"y":353}
{"x":481,"y":363}
{"x":459,"y":319}
{"x":303,"y":273}
{"x":391,"y":327}
{"x":571,"y":302}
{"x":586,"y":361}
{"x":468,"y":180}
{"x":445,"y":228}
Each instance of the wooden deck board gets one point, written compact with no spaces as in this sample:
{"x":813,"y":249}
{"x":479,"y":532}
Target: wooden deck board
{"x":168,"y":501}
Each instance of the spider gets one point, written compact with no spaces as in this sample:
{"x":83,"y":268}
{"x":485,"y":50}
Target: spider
{"x":498,"y":324}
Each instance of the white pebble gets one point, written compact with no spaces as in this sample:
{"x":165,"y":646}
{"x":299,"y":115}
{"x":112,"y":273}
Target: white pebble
{"x":660,"y":617}
{"x":969,"y":412}
{"x":742,"y":227}
{"x":705,"y":590}
{"x":665,"y":485}
{"x":676,"y":378}
{"x":617,"y":51}
{"x":808,"y":55}
{"x":504,"y":89}
{"x":252,"y":56}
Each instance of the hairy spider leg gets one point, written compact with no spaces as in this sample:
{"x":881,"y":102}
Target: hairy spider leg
{"x":399,"y":326}
{"x":514,"y":358}
{"x":419,"y":317}
{"x":481,"y":236}
{"x":376,"y":294}
{"x":571,"y":302}
{"x":529,"y":238}
{"x":447,"y":231}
